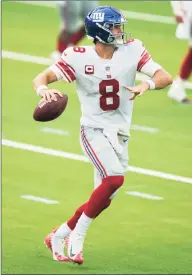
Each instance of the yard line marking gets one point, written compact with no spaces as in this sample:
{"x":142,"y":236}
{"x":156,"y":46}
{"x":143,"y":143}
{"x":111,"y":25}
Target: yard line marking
{"x":42,"y":150}
{"x":26,"y":58}
{"x":128,"y":14}
{"x":47,"y":4}
{"x":52,"y":152}
{"x":149,"y":17}
{"x":54,"y":131}
{"x":144,"y":129}
{"x":39,"y":199}
{"x":61,"y":132}
{"x":47,"y":61}
{"x":144,"y":195}
{"x":161,"y":175}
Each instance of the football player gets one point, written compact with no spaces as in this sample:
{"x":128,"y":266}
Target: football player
{"x":183,"y":15}
{"x":105,"y":81}
{"x":72,"y":31}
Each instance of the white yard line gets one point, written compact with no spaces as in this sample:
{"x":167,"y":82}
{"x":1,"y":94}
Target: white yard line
{"x":54,"y":131}
{"x":47,"y":61}
{"x":39,"y":199}
{"x":42,"y":150}
{"x":149,"y":17}
{"x":26,"y":58}
{"x":143,"y":128}
{"x":47,"y":4}
{"x":52,"y":152}
{"x":128,"y":14}
{"x":135,"y":127}
{"x":144,"y":195}
{"x":159,"y":174}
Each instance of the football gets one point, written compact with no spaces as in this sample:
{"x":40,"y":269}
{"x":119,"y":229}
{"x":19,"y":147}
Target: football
{"x":47,"y":111}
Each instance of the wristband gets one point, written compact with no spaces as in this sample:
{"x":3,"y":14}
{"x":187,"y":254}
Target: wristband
{"x":151,"y":84}
{"x":40,"y":88}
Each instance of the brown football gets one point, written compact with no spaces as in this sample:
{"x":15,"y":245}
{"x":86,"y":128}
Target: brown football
{"x":47,"y":111}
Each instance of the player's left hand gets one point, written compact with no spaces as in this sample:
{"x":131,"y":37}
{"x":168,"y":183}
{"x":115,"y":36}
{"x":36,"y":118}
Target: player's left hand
{"x":138,"y":90}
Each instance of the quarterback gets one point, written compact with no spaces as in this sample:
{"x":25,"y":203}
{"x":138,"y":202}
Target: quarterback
{"x":105,"y":83}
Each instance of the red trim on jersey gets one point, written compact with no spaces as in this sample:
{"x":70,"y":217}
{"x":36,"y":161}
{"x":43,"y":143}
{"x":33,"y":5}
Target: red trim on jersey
{"x":63,"y":72}
{"x":144,"y":59}
{"x":144,"y":51}
{"x":67,"y":70}
{"x":68,"y":65}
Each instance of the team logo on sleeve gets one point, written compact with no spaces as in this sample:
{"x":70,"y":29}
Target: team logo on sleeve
{"x":89,"y":69}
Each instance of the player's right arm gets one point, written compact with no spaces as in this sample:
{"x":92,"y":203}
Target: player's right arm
{"x":41,"y":82}
{"x":62,"y":70}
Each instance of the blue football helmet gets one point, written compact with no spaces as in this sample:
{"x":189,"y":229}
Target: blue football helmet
{"x":100,"y":20}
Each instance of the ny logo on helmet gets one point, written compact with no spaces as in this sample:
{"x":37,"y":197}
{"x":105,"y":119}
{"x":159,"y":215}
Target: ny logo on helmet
{"x":98,"y":16}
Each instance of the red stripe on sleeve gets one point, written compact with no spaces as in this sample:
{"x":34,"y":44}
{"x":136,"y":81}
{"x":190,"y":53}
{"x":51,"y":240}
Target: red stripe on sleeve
{"x":67,"y":69}
{"x":144,"y":59}
{"x":69,"y":66}
{"x":63,"y":72}
{"x":143,"y":52}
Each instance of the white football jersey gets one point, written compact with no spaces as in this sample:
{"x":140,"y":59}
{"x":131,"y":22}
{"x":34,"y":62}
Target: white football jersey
{"x":100,"y":82}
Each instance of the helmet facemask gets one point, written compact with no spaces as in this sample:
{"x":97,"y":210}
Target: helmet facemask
{"x":117,"y":39}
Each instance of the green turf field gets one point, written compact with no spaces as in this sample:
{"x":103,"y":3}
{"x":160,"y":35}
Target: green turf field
{"x":134,"y":236}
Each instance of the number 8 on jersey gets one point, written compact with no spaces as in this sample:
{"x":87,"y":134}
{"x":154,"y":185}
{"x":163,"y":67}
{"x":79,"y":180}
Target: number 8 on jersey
{"x":109,"y":99}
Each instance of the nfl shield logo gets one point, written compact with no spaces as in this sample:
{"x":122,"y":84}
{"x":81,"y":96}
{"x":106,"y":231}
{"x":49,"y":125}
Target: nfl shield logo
{"x":107,"y":69}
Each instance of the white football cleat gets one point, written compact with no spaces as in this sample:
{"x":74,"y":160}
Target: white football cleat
{"x":56,"y":245}
{"x":75,"y":248}
{"x":177,"y":91}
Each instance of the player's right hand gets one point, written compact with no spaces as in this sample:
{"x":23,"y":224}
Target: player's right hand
{"x":49,"y":94}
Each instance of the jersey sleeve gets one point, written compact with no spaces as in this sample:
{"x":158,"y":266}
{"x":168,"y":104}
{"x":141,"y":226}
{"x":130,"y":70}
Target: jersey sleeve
{"x":146,"y":64}
{"x":64,"y":68}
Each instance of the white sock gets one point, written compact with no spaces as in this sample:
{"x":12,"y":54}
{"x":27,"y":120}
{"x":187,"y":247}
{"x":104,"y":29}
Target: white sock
{"x":82,"y":225}
{"x":63,"y":231}
{"x":179,"y":80}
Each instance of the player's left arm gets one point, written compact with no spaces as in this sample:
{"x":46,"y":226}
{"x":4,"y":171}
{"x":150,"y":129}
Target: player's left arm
{"x":159,"y":77}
